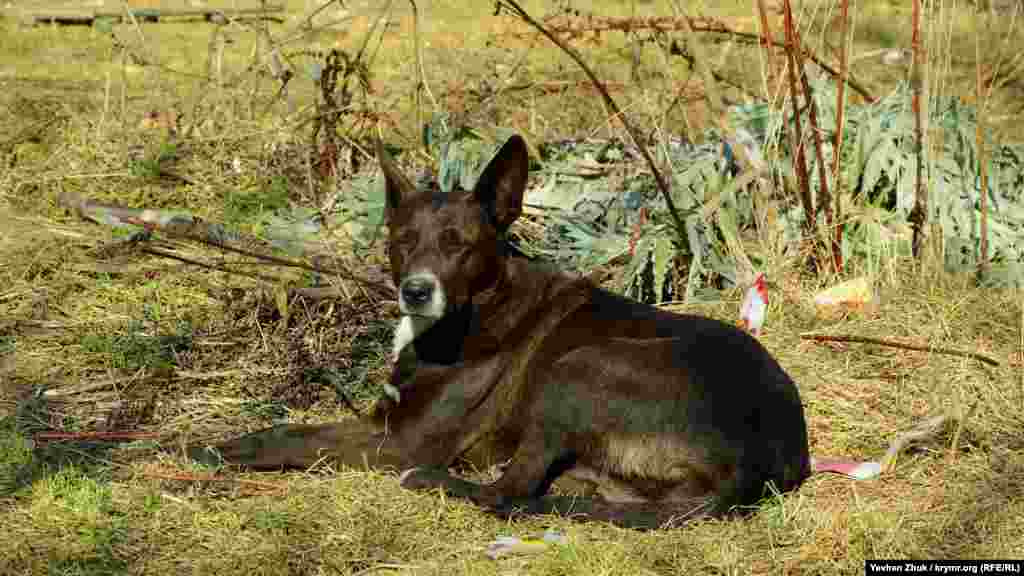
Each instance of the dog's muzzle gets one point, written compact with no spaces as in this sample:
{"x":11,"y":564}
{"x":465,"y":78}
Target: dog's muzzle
{"x":421,"y":294}
{"x":416,"y":293}
{"x":422,"y":302}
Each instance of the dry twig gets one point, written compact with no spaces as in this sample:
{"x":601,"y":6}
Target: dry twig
{"x":892,"y":344}
{"x":633,"y":132}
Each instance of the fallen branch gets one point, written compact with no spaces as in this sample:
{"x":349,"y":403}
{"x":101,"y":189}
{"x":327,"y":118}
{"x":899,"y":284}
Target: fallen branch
{"x":88,"y":17}
{"x":664,"y":24}
{"x":95,"y":436}
{"x":208,"y":266}
{"x":92,"y":386}
{"x":881,"y":342}
{"x":185,"y":226}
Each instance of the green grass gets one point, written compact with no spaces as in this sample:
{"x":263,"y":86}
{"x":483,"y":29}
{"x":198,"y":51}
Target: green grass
{"x":131,"y":348}
{"x":90,"y":328}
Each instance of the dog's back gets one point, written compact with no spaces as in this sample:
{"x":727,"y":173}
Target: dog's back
{"x":691,"y":406}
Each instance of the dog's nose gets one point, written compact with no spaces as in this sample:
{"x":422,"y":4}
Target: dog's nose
{"x":417,"y":291}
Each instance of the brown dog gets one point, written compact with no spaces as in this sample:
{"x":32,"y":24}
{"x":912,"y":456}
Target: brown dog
{"x":669,"y":416}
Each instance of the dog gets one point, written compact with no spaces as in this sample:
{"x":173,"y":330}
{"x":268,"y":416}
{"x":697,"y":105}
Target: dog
{"x":500,"y":359}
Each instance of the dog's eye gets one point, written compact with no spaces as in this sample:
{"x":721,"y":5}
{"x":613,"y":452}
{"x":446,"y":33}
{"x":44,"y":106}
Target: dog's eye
{"x":451,"y":237}
{"x":407,"y":240}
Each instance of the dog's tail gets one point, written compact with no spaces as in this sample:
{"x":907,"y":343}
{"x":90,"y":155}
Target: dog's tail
{"x":355,"y":443}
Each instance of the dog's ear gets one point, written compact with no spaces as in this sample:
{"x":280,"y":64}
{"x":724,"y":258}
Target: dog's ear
{"x":502,"y":184}
{"x":396,"y":186}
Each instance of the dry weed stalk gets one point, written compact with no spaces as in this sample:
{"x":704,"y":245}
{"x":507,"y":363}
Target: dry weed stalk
{"x":844,"y":72}
{"x":919,"y":88}
{"x":766,"y":44}
{"x":824,"y":200}
{"x":802,"y":92}
{"x":979,"y":134}
{"x":795,"y":133}
{"x":634,"y":133}
{"x":262,"y":487}
{"x":421,"y":73}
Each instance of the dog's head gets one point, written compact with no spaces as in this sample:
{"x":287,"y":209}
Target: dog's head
{"x":444,"y":248}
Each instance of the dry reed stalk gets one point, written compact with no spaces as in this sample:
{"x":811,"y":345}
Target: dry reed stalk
{"x":979,"y":134}
{"x":844,"y":72}
{"x":824,"y":200}
{"x":919,"y":89}
{"x":766,"y":46}
{"x":795,"y":133}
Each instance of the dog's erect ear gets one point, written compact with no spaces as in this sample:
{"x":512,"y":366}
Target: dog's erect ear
{"x":502,"y":184}
{"x":396,"y":186}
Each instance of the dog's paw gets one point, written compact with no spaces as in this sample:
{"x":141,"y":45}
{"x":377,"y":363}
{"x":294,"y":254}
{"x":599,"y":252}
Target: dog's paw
{"x":405,"y":475}
{"x":423,"y":479}
{"x":433,"y":478}
{"x":205,"y":455}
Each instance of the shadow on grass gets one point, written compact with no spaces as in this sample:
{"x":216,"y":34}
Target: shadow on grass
{"x":74,"y":476}
{"x":984,"y":512}
{"x":23,"y":461}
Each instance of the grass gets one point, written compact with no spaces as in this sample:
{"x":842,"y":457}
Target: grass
{"x":95,"y":335}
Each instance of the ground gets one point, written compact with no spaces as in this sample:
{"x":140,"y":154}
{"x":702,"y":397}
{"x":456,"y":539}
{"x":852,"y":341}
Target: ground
{"x":98,"y":336}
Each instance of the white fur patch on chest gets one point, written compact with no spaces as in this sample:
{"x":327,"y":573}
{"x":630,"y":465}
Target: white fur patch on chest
{"x":392,"y":392}
{"x":409,"y":327}
{"x":404,"y":335}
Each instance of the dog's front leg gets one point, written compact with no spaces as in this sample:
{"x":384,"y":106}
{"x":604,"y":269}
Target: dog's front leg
{"x":352,"y":443}
{"x":537,"y":462}
{"x":484,"y":495}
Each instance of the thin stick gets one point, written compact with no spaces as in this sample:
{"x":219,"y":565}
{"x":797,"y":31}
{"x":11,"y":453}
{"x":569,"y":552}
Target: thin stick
{"x":824,"y":201}
{"x":711,"y":92}
{"x":919,"y":102}
{"x":960,"y":423}
{"x":795,"y":133}
{"x":421,"y":73}
{"x":218,"y":267}
{"x":844,"y":71}
{"x":766,"y":46}
{"x":868,"y":340}
{"x":979,"y":135}
{"x":206,"y":478}
{"x":101,"y":436}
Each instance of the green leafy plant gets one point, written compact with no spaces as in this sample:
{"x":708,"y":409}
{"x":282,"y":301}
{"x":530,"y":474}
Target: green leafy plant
{"x":877,"y":166}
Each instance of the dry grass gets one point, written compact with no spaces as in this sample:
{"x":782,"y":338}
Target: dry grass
{"x":127,"y":341}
